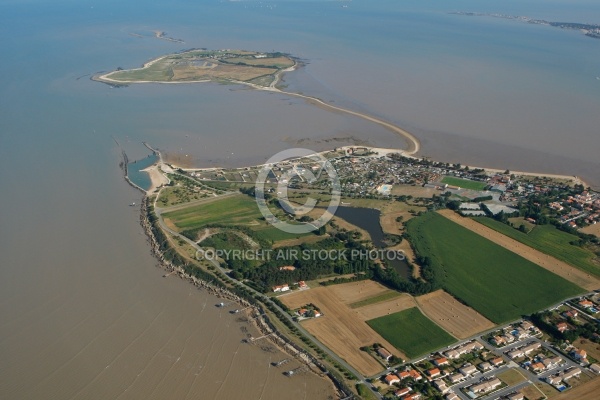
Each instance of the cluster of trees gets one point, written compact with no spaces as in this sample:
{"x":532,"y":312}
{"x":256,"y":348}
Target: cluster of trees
{"x":310,"y":261}
{"x":392,"y":279}
{"x":587,"y":330}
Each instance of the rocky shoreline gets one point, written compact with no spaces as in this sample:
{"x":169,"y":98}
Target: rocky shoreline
{"x":256,"y":317}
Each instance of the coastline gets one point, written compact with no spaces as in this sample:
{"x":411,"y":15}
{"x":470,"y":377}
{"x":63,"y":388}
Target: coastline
{"x":255,"y":314}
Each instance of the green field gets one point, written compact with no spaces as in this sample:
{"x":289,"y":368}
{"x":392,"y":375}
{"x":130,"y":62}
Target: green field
{"x":494,"y":281}
{"x":232,"y":210}
{"x":464,"y":183}
{"x":411,"y":332}
{"x":376,"y":299}
{"x":551,"y":241}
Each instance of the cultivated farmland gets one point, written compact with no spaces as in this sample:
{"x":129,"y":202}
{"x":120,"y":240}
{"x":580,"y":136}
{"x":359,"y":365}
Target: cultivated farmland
{"x":499,"y":284}
{"x":458,"y":319}
{"x":552,"y":264}
{"x":343,"y":329}
{"x":551,"y":241}
{"x":411,"y":332}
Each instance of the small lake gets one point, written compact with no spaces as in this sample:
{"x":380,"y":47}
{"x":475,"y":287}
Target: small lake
{"x":368,"y":219}
{"x":135,"y":173}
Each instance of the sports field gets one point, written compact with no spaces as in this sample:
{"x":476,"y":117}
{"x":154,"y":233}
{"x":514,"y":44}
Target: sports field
{"x":464,"y":183}
{"x":411,"y":332}
{"x":496,"y":282}
{"x":549,"y":240}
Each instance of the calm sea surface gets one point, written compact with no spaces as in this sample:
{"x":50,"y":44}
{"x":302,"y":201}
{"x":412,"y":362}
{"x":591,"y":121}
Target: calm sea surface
{"x":84,"y":312}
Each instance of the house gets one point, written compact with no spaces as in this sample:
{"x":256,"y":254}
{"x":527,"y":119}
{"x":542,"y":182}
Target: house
{"x":468,"y":370}
{"x":586,"y":303}
{"x":464,"y":349}
{"x":570,"y":314}
{"x":529,"y":348}
{"x":486,"y":386}
{"x":452,"y":396}
{"x":538,"y":367}
{"x":391,"y":379}
{"x":562,"y":326}
{"x":415,"y":375}
{"x":441,"y":361}
{"x":554,"y":379}
{"x":287,"y":268}
{"x":403,"y":375}
{"x":281,"y":288}
{"x":552,"y":362}
{"x":571,"y":373}
{"x":515,"y":354}
{"x":498,"y":341}
{"x":516,"y":396}
{"x":441,"y":386}
{"x":455,"y":378}
{"x":434,"y":372}
{"x":386,"y":355}
{"x":452,"y":354}
{"x":508,"y":338}
{"x":485,"y":366}
{"x":595,"y":368}
{"x":402,"y":392}
{"x":579,"y":354}
{"x":302,"y":285}
{"x":414,"y":396}
{"x":521,"y":333}
{"x":497,"y":361}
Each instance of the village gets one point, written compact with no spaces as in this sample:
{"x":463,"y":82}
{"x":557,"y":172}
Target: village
{"x":511,"y":362}
{"x":372,"y":173}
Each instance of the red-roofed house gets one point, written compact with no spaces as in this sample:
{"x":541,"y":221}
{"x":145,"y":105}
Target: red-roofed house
{"x":391,"y":379}
{"x":586,"y":303}
{"x":562,"y":326}
{"x":440,"y":361}
{"x":434,"y":372}
{"x":402,"y":392}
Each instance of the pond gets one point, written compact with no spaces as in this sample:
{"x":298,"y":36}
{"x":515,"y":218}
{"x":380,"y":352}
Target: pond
{"x":368,"y":219}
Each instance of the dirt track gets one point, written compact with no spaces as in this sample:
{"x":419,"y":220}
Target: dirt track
{"x":545,"y":261}
{"x":458,"y":319}
{"x":343,"y":329}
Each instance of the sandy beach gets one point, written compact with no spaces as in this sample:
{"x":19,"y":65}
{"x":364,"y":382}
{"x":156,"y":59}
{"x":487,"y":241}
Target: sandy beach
{"x":157,"y":177}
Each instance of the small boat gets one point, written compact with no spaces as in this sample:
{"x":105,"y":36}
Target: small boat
{"x":132,"y":204}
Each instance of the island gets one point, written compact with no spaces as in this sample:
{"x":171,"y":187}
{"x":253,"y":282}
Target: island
{"x":202,"y":65}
